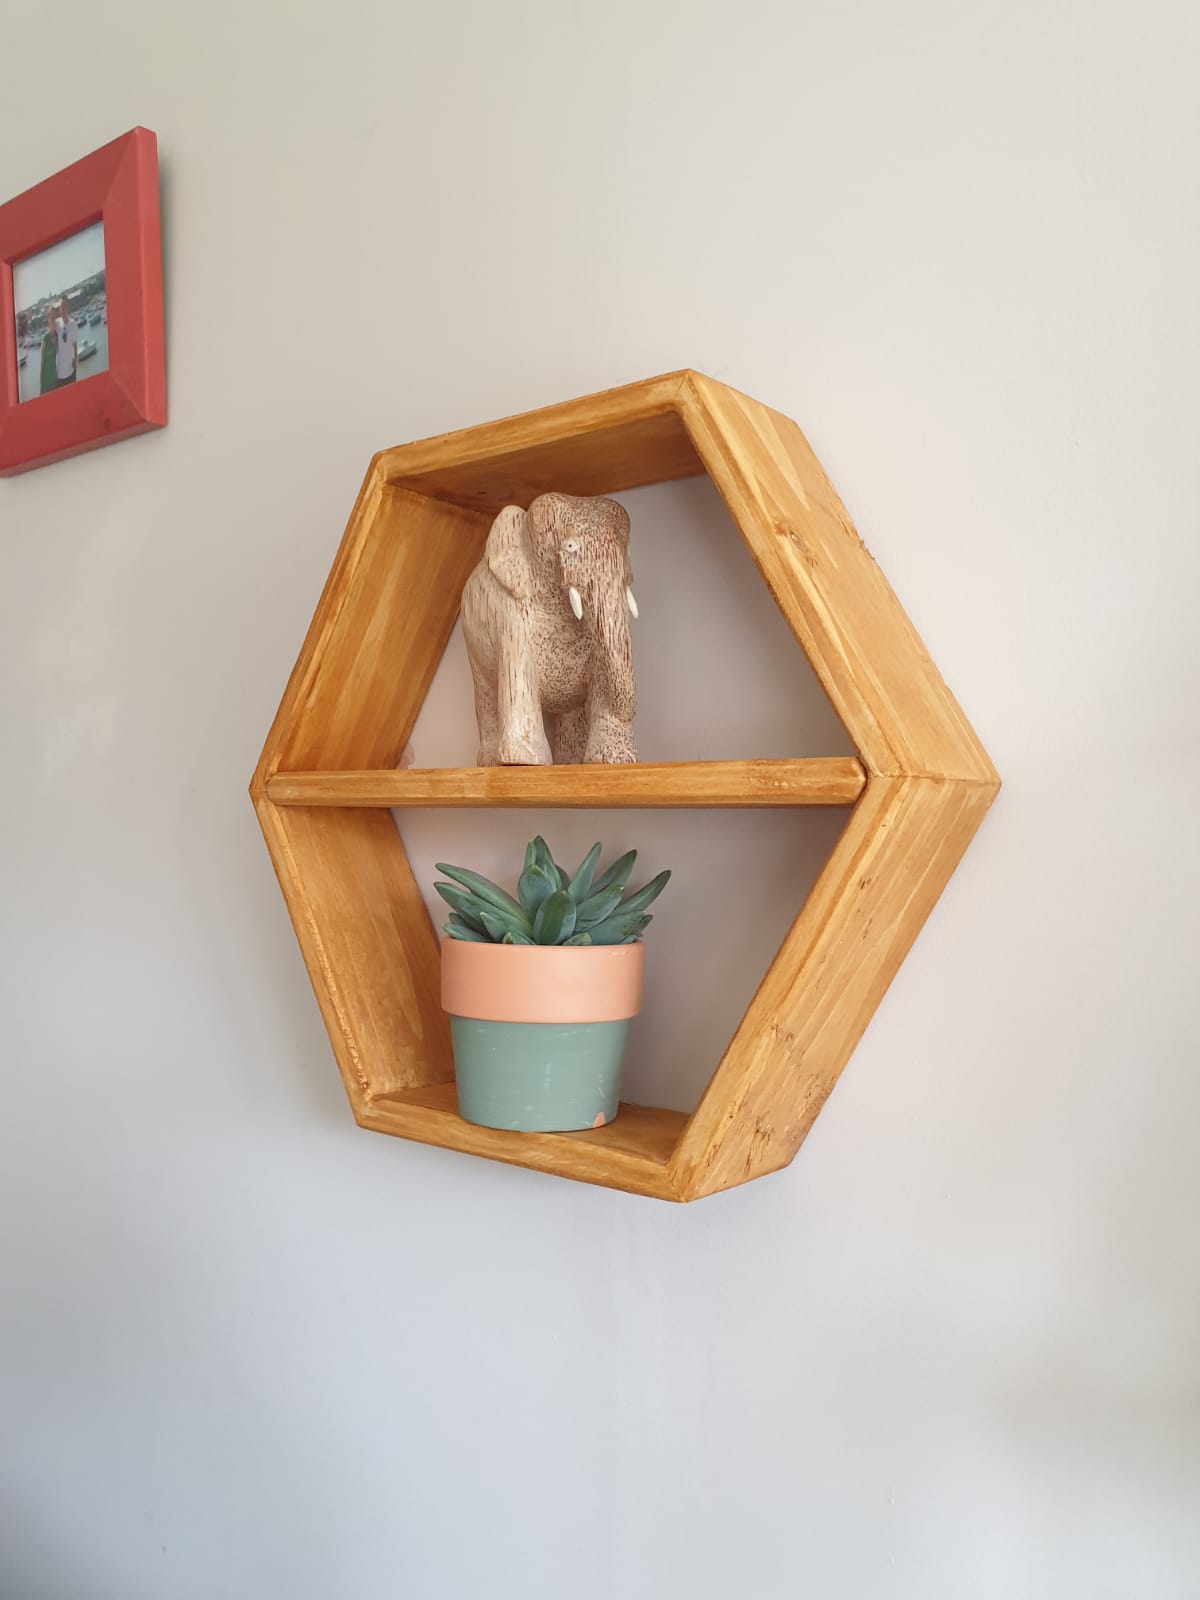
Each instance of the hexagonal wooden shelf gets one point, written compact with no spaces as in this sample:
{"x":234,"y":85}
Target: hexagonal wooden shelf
{"x":323,"y":788}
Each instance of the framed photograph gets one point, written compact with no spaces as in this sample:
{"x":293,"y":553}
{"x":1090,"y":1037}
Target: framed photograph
{"x":81,"y":308}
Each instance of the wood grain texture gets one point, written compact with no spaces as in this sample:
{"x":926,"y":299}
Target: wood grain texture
{"x":899,"y":848}
{"x":545,"y":619}
{"x":877,"y":673}
{"x":599,"y":445}
{"x":631,"y":1153}
{"x":919,"y":789}
{"x":368,"y":943}
{"x":379,"y":632}
{"x":813,"y":781}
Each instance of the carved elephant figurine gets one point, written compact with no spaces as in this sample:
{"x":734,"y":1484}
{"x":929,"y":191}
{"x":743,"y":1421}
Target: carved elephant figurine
{"x":546,"y":619}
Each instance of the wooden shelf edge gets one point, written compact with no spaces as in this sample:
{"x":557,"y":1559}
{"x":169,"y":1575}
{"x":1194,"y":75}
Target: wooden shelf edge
{"x":868,"y":657}
{"x":812,"y":781}
{"x":633,"y":1153}
{"x":885,"y":874}
{"x":589,"y":414}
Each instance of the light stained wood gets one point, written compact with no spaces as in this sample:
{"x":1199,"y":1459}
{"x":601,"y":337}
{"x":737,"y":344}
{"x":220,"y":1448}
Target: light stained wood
{"x":599,"y":445}
{"x":325,"y":780}
{"x":877,"y":673}
{"x":379,"y":632}
{"x":367,"y":940}
{"x":631,"y":1153}
{"x":814,"y":781}
{"x":899,"y":848}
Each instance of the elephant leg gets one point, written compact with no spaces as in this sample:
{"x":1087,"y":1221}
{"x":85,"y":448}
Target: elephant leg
{"x":523,"y":741}
{"x":570,"y":737}
{"x":487,"y":716}
{"x":608,"y":738}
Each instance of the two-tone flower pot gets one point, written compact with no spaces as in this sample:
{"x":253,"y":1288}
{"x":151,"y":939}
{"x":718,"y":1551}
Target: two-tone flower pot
{"x":539,"y":1031}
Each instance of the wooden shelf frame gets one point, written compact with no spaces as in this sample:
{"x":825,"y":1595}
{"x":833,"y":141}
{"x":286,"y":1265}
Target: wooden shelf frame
{"x":811,"y":781}
{"x":917,"y":788}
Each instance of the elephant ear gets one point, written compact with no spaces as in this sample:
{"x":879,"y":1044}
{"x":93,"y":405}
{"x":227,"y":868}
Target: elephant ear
{"x":507,"y":553}
{"x":618,"y":519}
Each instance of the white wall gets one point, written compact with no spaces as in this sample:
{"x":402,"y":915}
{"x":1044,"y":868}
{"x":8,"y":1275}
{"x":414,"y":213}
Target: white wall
{"x":251,"y":1352}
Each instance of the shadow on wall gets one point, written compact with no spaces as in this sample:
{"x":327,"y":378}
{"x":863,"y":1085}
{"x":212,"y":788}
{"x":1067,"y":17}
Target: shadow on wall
{"x":719,"y":677}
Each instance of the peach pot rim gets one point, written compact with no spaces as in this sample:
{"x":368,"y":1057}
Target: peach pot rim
{"x":541,"y":983}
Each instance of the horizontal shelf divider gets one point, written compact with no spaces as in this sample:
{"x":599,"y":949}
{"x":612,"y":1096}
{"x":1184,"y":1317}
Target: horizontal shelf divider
{"x":809,"y":781}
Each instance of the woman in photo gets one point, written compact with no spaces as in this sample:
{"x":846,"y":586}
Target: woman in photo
{"x":49,"y":378}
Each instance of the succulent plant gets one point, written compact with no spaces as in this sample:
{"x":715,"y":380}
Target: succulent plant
{"x":552,"y":906}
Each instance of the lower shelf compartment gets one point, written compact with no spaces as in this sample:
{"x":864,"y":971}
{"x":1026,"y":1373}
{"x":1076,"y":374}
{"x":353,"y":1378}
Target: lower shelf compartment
{"x":633,"y":1152}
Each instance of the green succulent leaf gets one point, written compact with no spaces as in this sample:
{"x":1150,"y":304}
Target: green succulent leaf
{"x":619,"y":929}
{"x":555,"y":920}
{"x":542,"y":856}
{"x":466,"y":905}
{"x":484,"y":889}
{"x":647,"y":895}
{"x":553,"y":909}
{"x":534,"y":886}
{"x":580,"y":885}
{"x":598,"y":906}
{"x":498,"y":923}
{"x":616,"y":876}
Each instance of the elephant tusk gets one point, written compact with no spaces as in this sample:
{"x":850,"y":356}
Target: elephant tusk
{"x":576,"y":604}
{"x":633,"y":610}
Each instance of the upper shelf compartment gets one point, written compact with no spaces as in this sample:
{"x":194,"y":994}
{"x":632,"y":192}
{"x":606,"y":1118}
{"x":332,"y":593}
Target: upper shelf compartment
{"x":818,"y":781}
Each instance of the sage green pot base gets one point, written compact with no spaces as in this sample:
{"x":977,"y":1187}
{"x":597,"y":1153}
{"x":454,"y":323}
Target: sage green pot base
{"x":538,"y":1077}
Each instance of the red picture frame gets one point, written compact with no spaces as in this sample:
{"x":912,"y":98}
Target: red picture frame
{"x":118,"y":186}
